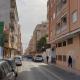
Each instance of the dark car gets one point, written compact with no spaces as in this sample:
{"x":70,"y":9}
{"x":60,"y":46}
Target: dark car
{"x":29,"y":56}
{"x":38,"y":58}
{"x":13,"y":65}
{"x":6,"y":72}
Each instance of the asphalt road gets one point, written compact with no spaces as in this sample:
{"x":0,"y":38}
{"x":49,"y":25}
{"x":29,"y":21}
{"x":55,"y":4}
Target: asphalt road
{"x":42,"y":71}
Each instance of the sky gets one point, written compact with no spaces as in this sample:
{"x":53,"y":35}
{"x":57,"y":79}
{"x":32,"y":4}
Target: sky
{"x":31,"y":13}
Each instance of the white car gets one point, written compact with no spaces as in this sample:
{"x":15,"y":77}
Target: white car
{"x":38,"y":58}
{"x":18,"y":61}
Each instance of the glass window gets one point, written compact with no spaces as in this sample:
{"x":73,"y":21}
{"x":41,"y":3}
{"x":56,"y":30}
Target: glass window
{"x":59,"y":44}
{"x":64,"y":58}
{"x":64,"y":43}
{"x":64,"y":23}
{"x":74,"y":16}
{"x":64,"y":1}
{"x":59,"y":57}
{"x":70,"y":41}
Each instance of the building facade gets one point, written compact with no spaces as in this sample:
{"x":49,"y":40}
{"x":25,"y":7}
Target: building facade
{"x":9,"y":15}
{"x":64,"y":30}
{"x":40,"y":31}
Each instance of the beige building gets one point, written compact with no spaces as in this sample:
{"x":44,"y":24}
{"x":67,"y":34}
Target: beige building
{"x":40,"y":31}
{"x":9,"y":15}
{"x":64,"y":30}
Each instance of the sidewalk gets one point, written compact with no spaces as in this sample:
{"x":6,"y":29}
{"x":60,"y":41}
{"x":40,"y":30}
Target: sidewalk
{"x":66,"y":69}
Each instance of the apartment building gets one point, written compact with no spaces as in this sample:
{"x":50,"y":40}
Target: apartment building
{"x":40,"y":31}
{"x":31,"y":47}
{"x":19,"y":42}
{"x":9,"y":16}
{"x":64,"y":30}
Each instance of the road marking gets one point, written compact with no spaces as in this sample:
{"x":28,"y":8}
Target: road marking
{"x":53,"y":74}
{"x":56,"y":76}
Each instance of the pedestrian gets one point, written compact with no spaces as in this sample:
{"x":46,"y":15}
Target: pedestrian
{"x":70,"y":61}
{"x":47,"y":58}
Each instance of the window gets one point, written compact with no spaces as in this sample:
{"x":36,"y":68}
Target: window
{"x":13,"y":3}
{"x":6,"y":38}
{"x":64,"y":58}
{"x":70,"y":41}
{"x":59,"y":44}
{"x":58,"y":28}
{"x":59,"y":57}
{"x":58,"y":8}
{"x":64,"y":1}
{"x":12,"y":16}
{"x":64,"y":43}
{"x":44,"y":26}
{"x":64,"y":19}
{"x":59,"y":5}
{"x":74,"y":16}
{"x":12,"y":39}
{"x":64,"y":23}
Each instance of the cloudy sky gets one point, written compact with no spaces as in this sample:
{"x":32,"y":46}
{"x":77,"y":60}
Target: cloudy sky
{"x":31,"y":13}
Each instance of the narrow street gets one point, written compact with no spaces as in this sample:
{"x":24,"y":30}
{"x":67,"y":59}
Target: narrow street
{"x":41,"y":71}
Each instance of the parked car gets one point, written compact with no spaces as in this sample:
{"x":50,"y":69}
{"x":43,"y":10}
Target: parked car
{"x":18,"y":61}
{"x":13,"y":65}
{"x":38,"y":58}
{"x":29,"y":57}
{"x":6,"y":72}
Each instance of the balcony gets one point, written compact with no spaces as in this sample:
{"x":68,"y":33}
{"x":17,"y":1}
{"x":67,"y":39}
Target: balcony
{"x":6,"y":40}
{"x":12,"y":16}
{"x":62,"y":25}
{"x":58,"y":28}
{"x":60,"y":5}
{"x":13,"y":3}
{"x":12,"y":28}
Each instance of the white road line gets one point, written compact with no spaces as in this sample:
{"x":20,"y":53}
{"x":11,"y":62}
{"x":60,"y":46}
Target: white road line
{"x":53,"y":74}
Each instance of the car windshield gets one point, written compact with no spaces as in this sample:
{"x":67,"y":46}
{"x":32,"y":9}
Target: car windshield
{"x":17,"y":58}
{"x":38,"y":56}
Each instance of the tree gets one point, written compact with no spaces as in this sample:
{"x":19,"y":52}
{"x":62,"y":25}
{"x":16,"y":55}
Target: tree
{"x":41,"y":43}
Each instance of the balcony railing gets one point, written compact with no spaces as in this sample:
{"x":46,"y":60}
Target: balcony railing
{"x":13,"y":4}
{"x":11,"y":27}
{"x":59,"y":5}
{"x":62,"y":25}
